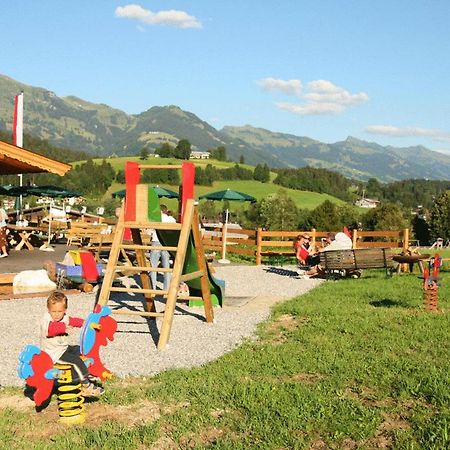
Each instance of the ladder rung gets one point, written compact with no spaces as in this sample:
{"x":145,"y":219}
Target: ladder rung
{"x":192,"y":275}
{"x":153,"y":225}
{"x":162,"y":247}
{"x":162,"y":166}
{"x":141,"y":269}
{"x":185,"y":298}
{"x":147,"y":247}
{"x":138,"y":313}
{"x":139,"y":291}
{"x":135,"y":247}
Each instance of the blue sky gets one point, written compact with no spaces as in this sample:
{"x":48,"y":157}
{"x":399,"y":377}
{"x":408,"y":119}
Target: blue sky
{"x":375,"y":70}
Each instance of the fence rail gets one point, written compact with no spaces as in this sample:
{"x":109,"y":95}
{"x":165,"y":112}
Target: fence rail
{"x":263,"y":244}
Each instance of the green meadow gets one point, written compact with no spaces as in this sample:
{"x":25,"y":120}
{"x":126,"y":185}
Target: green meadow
{"x":303,"y":199}
{"x":352,"y":364}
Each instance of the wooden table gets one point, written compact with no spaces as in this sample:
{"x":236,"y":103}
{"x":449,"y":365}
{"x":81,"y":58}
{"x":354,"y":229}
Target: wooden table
{"x":410,"y":260}
{"x":24,"y":233}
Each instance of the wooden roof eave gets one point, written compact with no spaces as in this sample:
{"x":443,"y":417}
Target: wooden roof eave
{"x":17,"y":160}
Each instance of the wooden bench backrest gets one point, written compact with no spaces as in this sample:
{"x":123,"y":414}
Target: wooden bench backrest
{"x":361,"y":258}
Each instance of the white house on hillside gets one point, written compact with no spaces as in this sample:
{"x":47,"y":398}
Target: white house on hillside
{"x":367,"y":203}
{"x":199,"y":155}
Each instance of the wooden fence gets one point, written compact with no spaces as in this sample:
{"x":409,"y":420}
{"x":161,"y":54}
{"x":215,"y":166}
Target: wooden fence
{"x":266,"y":244}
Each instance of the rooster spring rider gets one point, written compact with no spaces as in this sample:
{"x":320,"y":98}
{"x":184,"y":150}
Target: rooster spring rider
{"x":37,"y":368}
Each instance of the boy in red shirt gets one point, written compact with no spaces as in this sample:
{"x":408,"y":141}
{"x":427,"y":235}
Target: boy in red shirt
{"x":55,"y":328}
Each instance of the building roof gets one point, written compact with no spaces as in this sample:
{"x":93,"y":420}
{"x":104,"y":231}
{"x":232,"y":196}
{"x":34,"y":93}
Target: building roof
{"x":15,"y":160}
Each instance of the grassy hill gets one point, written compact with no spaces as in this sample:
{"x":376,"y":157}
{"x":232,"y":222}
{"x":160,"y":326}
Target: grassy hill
{"x":100,"y":130}
{"x":303,"y":199}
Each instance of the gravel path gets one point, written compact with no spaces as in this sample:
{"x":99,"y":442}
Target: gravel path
{"x":250,"y":292}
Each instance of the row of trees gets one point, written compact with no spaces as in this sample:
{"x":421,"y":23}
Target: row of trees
{"x":316,"y":180}
{"x":409,"y":193}
{"x":279,"y":212}
{"x":181,"y":151}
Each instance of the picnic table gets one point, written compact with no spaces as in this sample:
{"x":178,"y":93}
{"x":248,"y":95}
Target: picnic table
{"x":25,"y":234}
{"x":410,"y":259}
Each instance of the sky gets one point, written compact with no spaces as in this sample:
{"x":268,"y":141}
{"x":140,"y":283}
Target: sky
{"x":325,"y":69}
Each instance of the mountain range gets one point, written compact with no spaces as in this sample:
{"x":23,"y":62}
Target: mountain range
{"x":100,"y":130}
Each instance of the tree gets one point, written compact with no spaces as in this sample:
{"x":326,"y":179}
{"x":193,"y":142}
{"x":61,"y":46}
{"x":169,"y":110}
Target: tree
{"x":241,"y":159}
{"x":219,"y":153}
{"x":257,"y":172}
{"x":373,"y":188}
{"x":144,"y":153}
{"x":440,"y":217}
{"x":326,"y":217}
{"x":265,"y":174}
{"x":387,"y":216}
{"x":421,"y":229}
{"x":278,"y":212}
{"x":165,"y":151}
{"x":183,"y":149}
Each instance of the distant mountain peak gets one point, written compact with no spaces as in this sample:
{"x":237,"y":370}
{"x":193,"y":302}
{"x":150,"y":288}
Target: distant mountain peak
{"x":98,"y":129}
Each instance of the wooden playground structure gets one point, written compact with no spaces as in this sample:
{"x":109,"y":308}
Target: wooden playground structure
{"x":141,"y":212}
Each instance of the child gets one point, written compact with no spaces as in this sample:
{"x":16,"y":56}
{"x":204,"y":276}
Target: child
{"x":56,"y":325}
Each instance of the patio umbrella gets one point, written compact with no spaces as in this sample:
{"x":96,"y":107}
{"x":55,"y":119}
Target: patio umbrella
{"x":44,"y":191}
{"x":160,"y":192}
{"x":229,"y":195}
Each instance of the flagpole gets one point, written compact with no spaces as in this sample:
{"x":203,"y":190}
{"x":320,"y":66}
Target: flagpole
{"x":17,"y":138}
{"x":224,"y":260}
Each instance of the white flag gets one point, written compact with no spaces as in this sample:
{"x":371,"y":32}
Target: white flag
{"x":18,"y":121}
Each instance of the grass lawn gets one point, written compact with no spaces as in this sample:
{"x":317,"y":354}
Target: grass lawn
{"x":353,"y":364}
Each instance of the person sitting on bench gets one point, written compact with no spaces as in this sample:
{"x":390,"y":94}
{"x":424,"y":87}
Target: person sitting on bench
{"x":302,"y":249}
{"x":338,"y":241}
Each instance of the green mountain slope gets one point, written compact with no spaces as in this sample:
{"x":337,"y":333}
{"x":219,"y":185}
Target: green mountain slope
{"x":352,"y":158}
{"x":100,"y":130}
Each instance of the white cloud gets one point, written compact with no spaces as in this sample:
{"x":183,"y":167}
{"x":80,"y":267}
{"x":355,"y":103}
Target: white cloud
{"x":309,"y":109}
{"x":390,"y":130}
{"x":178,"y":19}
{"x":289,"y":87}
{"x":323,"y":91}
{"x":319,"y":96}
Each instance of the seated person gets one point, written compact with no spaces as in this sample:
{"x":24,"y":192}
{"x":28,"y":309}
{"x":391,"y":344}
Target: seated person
{"x":302,"y":251}
{"x":338,"y":241}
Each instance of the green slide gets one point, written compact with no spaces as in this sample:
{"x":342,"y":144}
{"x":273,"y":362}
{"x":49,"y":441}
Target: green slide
{"x":170,"y":238}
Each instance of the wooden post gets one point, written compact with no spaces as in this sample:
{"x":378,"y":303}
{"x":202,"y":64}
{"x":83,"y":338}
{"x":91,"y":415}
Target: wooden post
{"x":201,"y":262}
{"x":313,"y":238}
{"x":112,"y":260}
{"x":405,"y":240}
{"x":258,"y":246}
{"x":177,"y":269}
{"x":354,"y":237}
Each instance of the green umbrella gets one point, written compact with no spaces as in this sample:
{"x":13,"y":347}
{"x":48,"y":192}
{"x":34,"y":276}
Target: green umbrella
{"x":230,"y":195}
{"x":160,"y":192}
{"x":43,"y":191}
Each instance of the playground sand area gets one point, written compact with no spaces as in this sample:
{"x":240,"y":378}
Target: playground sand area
{"x":250,"y":293}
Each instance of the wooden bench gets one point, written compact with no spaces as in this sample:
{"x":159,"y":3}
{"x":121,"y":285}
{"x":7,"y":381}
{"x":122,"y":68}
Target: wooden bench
{"x":80,"y":233}
{"x":341,"y":263}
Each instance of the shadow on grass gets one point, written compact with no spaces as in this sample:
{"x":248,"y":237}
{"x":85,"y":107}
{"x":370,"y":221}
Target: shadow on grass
{"x":388,"y":303}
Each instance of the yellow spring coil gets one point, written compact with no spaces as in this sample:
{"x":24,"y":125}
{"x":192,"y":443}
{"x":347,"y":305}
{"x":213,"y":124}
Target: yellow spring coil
{"x":70,"y":401}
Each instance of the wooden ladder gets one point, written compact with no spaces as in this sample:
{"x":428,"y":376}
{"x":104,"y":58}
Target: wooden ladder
{"x":190,"y":224}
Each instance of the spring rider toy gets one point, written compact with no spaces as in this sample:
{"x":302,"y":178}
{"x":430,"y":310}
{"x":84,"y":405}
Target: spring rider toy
{"x":430,"y":284}
{"x":37,"y":368}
